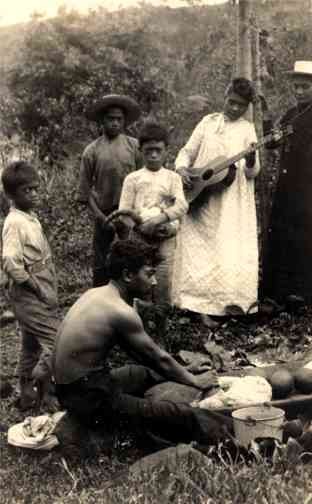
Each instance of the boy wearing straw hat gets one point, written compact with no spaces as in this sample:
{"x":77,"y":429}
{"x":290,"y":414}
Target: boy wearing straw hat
{"x":104,"y":165}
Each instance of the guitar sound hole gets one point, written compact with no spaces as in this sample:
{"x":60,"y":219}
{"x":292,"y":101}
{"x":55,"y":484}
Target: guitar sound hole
{"x":207,"y":175}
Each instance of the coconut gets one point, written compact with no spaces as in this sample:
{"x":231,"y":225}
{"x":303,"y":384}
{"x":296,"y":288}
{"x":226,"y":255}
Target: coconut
{"x":293,"y":428}
{"x":306,"y":440}
{"x":282,"y":383}
{"x":303,"y":380}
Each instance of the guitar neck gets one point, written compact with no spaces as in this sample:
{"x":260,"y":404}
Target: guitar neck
{"x":205,"y":176}
{"x":225,"y":164}
{"x":243,"y":153}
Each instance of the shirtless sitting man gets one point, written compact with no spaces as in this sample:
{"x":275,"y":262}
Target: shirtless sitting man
{"x":101,"y":319}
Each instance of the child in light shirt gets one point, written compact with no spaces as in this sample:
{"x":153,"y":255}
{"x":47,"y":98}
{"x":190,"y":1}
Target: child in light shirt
{"x":156,"y":194}
{"x":31,"y":279}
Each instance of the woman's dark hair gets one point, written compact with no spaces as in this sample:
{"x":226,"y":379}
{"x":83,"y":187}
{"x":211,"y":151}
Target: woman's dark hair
{"x":131,"y":255}
{"x":16,"y":174}
{"x":153,"y":131}
{"x":243,"y":87}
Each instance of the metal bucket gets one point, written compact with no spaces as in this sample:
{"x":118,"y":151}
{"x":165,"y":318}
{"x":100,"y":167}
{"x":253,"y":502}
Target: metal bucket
{"x":258,"y":422}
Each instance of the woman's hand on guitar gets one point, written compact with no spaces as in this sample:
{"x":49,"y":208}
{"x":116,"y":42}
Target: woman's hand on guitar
{"x":186,"y":178}
{"x":250,"y":158}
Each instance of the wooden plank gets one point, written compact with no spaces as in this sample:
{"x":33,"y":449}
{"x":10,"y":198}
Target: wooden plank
{"x":297,"y":404}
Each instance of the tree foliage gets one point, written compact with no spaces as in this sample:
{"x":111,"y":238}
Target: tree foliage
{"x":157,"y":55}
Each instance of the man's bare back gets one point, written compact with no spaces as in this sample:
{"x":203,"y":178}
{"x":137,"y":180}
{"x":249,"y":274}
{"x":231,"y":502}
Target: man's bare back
{"x":93,"y":325}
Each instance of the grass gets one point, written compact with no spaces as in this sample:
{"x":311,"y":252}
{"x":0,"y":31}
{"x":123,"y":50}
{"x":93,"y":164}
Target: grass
{"x":215,"y":484}
{"x":100,"y":473}
{"x":59,"y":478}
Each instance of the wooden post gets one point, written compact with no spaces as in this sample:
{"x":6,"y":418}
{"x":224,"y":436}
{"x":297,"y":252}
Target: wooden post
{"x":249,"y":66}
{"x":244,"y":57}
{"x":244,"y":65}
{"x":262,"y":182}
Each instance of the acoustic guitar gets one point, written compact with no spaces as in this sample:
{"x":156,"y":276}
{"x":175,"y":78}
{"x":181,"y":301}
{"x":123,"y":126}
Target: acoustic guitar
{"x":217,"y":170}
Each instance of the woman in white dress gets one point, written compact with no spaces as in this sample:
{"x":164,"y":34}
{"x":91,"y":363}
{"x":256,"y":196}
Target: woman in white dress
{"x":216,"y":262}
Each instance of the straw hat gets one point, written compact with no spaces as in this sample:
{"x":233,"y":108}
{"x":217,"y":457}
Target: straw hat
{"x":128,"y":105}
{"x":301,"y":68}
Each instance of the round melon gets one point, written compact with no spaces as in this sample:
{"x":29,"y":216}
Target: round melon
{"x":306,"y":441}
{"x":303,"y":380}
{"x":293,"y":428}
{"x":282,"y":383}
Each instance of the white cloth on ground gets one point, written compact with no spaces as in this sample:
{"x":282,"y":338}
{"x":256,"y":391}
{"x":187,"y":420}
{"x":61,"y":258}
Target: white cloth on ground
{"x":238,"y":391}
{"x":36,"y":432}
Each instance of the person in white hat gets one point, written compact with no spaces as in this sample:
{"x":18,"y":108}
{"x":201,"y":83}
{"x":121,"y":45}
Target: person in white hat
{"x":105,"y":163}
{"x":287,"y":266}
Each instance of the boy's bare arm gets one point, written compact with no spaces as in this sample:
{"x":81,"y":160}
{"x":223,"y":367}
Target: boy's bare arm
{"x":137,"y":342}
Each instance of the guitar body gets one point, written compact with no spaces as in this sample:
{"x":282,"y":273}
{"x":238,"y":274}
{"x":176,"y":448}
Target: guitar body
{"x":210,"y":177}
{"x":220,"y":173}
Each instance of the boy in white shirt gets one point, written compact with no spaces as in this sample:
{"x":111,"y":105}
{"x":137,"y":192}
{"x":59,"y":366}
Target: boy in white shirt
{"x":156,"y":194}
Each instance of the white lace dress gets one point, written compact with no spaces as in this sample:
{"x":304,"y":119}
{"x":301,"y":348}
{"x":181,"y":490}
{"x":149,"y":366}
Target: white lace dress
{"x":216,"y":261}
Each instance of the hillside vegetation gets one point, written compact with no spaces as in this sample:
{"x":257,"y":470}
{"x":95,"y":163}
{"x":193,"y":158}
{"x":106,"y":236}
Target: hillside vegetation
{"x":158,"y":54}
